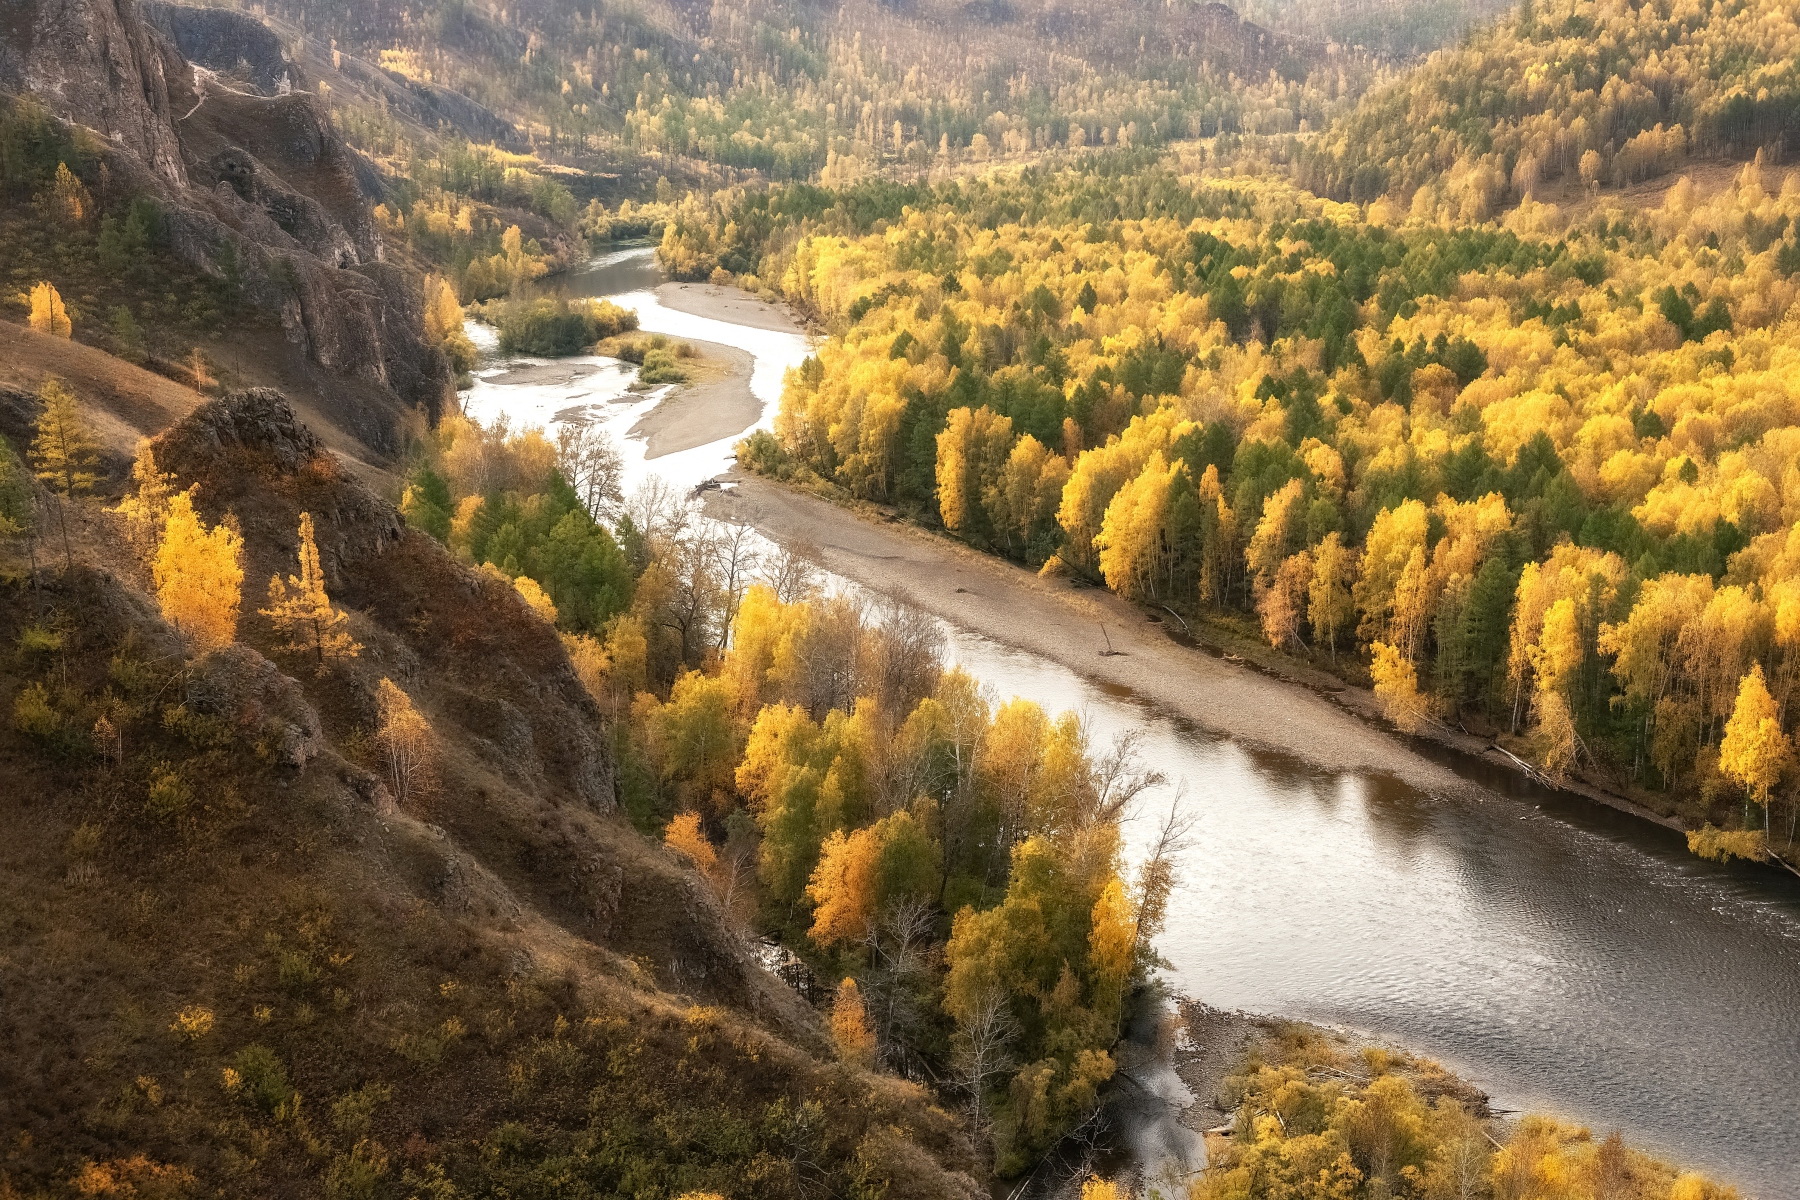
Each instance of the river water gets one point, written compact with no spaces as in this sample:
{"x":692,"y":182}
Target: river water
{"x":1566,"y":958}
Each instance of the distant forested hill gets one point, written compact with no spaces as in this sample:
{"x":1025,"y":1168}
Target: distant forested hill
{"x":1600,"y":92}
{"x":782,"y":88}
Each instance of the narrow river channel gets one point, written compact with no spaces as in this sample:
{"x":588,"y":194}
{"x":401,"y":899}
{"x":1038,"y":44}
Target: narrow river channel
{"x":1565,"y":957}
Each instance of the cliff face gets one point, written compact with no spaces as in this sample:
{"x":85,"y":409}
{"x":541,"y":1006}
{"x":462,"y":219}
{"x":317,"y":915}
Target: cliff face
{"x":231,"y":43}
{"x":258,"y":187}
{"x":96,"y":63}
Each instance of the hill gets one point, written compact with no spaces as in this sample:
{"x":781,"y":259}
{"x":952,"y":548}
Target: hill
{"x":245,"y":959}
{"x":779,"y":88}
{"x":1603,"y":93}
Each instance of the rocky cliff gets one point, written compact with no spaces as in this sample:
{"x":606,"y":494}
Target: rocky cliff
{"x":254,"y":181}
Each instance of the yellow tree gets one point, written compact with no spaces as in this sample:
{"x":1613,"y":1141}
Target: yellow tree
{"x":850,"y":1028}
{"x":1754,"y":752}
{"x":684,"y":836}
{"x":1275,"y":533}
{"x":1283,"y":603}
{"x":301,"y":610}
{"x":47,"y":312}
{"x":199,"y":575}
{"x":1329,"y":605}
{"x":407,"y":745}
{"x":1023,"y":504}
{"x":68,"y":198}
{"x":444,"y":323}
{"x":1387,"y":552}
{"x":533,"y":594}
{"x":1397,"y":687}
{"x":1134,"y":542}
{"x":1112,"y":946}
{"x":843,"y":887}
{"x":971,"y":455}
{"x":147,"y":508}
{"x":64,"y":452}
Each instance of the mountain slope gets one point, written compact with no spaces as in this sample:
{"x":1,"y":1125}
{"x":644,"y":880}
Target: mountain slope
{"x":238,"y":964}
{"x":255,"y":198}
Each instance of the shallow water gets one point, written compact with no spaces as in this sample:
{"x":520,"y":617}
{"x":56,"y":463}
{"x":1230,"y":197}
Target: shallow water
{"x":1565,"y":957}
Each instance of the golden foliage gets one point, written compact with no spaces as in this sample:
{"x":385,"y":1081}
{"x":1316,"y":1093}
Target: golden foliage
{"x":146,"y":510}
{"x":534,"y":595}
{"x":47,"y":312}
{"x":685,"y":837}
{"x":199,"y":575}
{"x":851,"y":1032}
{"x":407,"y":744}
{"x":1754,"y":752}
{"x":1397,"y":688}
{"x":301,"y":611}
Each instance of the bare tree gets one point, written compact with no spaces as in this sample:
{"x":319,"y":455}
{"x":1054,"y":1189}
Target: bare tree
{"x":793,"y":571}
{"x":907,"y":658}
{"x":900,"y":953}
{"x":739,"y":559}
{"x":829,"y":652}
{"x":984,"y":1049}
{"x":589,"y":459}
{"x":1119,"y":778}
{"x":661,"y":512}
{"x":1156,"y":877}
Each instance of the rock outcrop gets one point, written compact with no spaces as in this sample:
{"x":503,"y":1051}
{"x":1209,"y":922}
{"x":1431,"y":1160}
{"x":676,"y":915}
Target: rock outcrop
{"x":230,"y":43}
{"x":255,"y":183}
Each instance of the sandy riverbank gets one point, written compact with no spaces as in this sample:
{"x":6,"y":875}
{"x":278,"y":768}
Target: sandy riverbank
{"x":726,"y":304}
{"x":715,"y":402}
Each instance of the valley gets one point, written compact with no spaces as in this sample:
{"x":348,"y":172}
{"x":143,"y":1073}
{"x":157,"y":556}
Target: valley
{"x":899,"y":600}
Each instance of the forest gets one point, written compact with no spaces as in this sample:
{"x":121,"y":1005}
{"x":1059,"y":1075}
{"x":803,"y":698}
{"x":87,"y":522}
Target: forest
{"x":1536,"y":474}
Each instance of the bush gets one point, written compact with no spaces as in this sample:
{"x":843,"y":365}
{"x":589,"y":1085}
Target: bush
{"x":655,"y":356}
{"x":659,"y":367}
{"x":262,"y":1077}
{"x":553,"y":327}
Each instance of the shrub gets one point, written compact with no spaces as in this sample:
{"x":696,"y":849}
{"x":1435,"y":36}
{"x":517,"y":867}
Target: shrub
{"x":262,"y":1077}
{"x":660,"y":367}
{"x":170,"y":796}
{"x":34,"y":715}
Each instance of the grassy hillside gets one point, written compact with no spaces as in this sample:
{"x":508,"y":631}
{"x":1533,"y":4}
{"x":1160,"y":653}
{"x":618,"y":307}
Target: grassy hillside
{"x":243,"y":960}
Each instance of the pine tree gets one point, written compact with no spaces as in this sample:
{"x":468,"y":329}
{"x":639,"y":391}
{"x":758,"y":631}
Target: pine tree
{"x":68,"y":198}
{"x":301,"y":610}
{"x":47,"y":312}
{"x":15,"y":494}
{"x":199,"y":575}
{"x":64,"y":453}
{"x":147,"y":508}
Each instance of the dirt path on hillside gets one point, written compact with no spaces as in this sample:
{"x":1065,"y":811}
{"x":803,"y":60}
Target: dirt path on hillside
{"x":1077,"y":626}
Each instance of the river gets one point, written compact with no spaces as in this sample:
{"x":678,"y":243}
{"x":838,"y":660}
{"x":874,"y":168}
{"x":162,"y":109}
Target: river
{"x":1565,"y":957}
